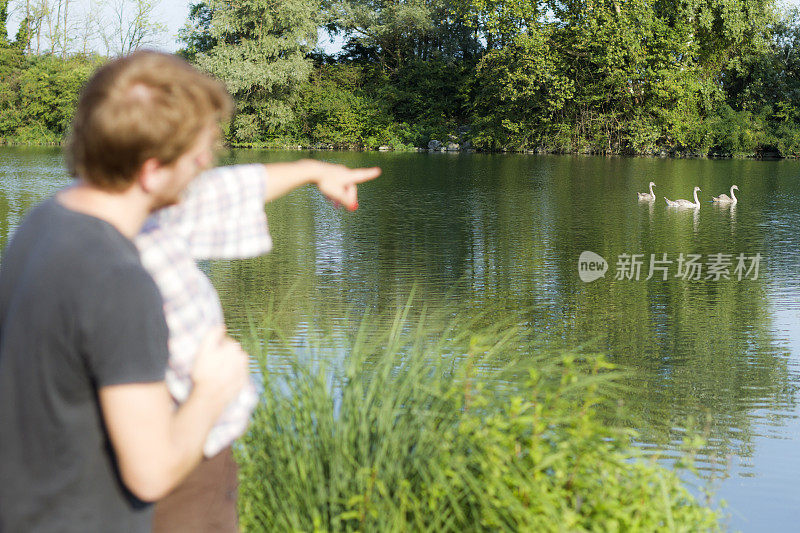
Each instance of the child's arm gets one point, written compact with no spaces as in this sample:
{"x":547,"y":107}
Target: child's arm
{"x":337,"y":182}
{"x":222,"y":213}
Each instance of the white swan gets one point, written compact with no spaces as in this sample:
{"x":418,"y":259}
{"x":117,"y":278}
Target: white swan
{"x":725,"y":199}
{"x":685,"y":203}
{"x":647,"y":197}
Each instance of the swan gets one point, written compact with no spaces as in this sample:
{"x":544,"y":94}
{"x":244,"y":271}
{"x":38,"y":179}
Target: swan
{"x":685,"y":203}
{"x":725,"y":199}
{"x":647,"y":197}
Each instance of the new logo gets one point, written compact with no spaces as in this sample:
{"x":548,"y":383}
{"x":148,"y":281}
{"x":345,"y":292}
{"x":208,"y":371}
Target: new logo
{"x":591,"y":266}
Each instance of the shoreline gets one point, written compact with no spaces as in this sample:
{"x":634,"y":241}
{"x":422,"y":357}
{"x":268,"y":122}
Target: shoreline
{"x":661,"y":154}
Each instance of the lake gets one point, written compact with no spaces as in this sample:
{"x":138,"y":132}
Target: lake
{"x":711,"y":340}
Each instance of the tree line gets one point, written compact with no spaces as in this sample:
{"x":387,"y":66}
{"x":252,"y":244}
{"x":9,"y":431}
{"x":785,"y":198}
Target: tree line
{"x":693,"y":77}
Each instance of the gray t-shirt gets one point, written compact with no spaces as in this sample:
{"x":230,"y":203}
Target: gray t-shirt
{"x":77,"y":313}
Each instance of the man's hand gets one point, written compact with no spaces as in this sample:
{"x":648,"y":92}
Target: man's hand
{"x":220,"y":369}
{"x":156,"y":445}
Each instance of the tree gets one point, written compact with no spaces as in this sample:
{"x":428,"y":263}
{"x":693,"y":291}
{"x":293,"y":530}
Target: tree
{"x":196,"y":33}
{"x":23,"y":38}
{"x":35,"y":15}
{"x":398,"y":31}
{"x":260,"y":51}
{"x":521,"y":90}
{"x":644,"y":73}
{"x":391,"y":26}
{"x":500,"y":21}
{"x":87,"y":29}
{"x":131,"y":27}
{"x":3,"y":20}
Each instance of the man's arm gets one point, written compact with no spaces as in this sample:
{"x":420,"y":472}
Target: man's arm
{"x":337,"y":182}
{"x":156,"y":445}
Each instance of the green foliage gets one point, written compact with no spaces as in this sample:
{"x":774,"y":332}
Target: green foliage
{"x":427,"y":431}
{"x":389,"y":26}
{"x":609,"y":77}
{"x":739,"y":133}
{"x":3,"y":20}
{"x":520,"y":89}
{"x":786,"y":138}
{"x":501,"y":21}
{"x":350,"y":105}
{"x":23,"y":38}
{"x":196,"y":33}
{"x":428,"y":92}
{"x":765,"y":93}
{"x":38,"y":96}
{"x":395,"y":32}
{"x":634,"y":77}
{"x":259,"y":50}
{"x":339,"y":111}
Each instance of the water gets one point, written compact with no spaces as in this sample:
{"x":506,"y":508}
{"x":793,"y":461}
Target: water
{"x":471,"y":232}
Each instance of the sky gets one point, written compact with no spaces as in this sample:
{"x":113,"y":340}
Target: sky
{"x":174,"y":13}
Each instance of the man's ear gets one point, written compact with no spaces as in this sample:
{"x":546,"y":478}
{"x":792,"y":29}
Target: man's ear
{"x":152,"y":176}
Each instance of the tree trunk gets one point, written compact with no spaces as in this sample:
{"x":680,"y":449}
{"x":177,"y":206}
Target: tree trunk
{"x":3,"y":18}
{"x":28,"y":18}
{"x":66,"y":29}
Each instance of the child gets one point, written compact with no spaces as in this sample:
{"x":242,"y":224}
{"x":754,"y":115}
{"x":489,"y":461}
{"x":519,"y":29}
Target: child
{"x":221,"y":216}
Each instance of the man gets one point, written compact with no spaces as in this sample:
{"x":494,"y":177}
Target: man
{"x":90,"y":432}
{"x":89,"y":429}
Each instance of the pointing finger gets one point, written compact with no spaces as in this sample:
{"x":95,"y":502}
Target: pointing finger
{"x":360,"y":175}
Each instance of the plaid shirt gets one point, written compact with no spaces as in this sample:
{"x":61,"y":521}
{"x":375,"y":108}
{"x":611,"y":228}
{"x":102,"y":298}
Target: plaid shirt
{"x":221,"y":216}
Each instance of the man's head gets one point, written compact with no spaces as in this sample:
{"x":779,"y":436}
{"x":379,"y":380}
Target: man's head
{"x":146,"y":106}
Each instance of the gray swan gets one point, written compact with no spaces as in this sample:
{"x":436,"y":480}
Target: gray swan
{"x":685,"y":203}
{"x":725,"y":199}
{"x":647,"y":196}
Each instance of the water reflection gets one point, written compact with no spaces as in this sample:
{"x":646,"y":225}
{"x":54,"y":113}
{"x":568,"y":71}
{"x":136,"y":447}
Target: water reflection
{"x":504,"y":232}
{"x":28,"y":175}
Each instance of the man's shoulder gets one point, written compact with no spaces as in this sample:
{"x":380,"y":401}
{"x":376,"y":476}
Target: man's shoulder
{"x":73,"y":256}
{"x":58,"y":232}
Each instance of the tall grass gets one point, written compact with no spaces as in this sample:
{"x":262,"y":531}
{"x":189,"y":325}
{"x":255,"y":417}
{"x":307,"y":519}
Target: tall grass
{"x":456,"y":429}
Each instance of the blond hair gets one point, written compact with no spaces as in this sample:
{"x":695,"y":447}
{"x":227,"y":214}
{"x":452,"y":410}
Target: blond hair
{"x":146,"y":105}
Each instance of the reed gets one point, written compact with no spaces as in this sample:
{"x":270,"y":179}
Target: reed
{"x":459,"y":427}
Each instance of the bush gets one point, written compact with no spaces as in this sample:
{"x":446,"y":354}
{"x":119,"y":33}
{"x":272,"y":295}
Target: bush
{"x":38,"y":98}
{"x":338,"y":111}
{"x":421,"y":432}
{"x":787,"y":139}
{"x":738,"y":133}
{"x":519,"y":93}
